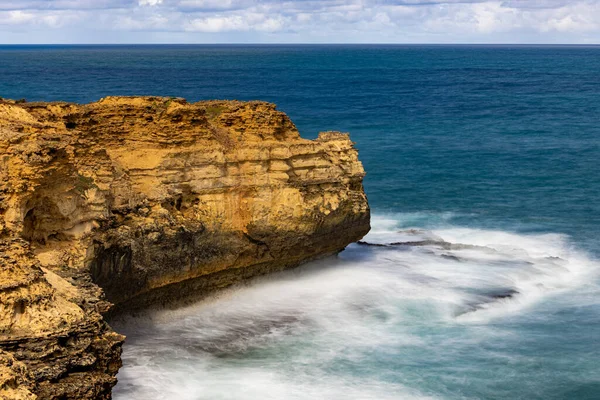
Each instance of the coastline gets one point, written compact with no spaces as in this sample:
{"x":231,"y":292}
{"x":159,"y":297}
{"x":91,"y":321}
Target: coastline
{"x":135,"y":201}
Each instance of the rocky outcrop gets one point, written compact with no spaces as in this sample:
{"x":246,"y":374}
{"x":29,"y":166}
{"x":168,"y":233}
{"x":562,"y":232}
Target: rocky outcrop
{"x":139,"y":201}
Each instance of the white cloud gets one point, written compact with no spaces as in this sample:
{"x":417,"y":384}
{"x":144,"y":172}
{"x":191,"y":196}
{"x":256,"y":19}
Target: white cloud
{"x":501,"y":17}
{"x":244,"y":22}
{"x":15,"y":17}
{"x":211,"y":4}
{"x":316,"y":20}
{"x":37,"y":19}
{"x":40,"y":5}
{"x":149,"y":2}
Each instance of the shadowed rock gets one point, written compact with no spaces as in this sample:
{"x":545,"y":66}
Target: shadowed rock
{"x":138,"y":201}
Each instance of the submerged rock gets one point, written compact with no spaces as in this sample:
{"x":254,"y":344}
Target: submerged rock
{"x":432,"y":243}
{"x":137,"y":201}
{"x":485,"y":298}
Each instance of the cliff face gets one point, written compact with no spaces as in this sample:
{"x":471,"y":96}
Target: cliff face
{"x":143,"y":200}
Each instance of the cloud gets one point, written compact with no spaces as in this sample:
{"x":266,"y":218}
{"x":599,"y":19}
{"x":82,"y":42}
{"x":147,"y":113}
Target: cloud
{"x":313,"y":20}
{"x":501,"y":16}
{"x":149,"y":2}
{"x":46,"y":5}
{"x":36,"y":19}
{"x":244,"y":22}
{"x":208,"y":5}
{"x":16,"y":17}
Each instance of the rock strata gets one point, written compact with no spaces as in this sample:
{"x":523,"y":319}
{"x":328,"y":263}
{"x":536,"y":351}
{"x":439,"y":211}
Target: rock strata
{"x":137,"y":201}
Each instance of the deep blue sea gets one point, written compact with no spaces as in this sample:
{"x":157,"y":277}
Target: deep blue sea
{"x":491,"y":154}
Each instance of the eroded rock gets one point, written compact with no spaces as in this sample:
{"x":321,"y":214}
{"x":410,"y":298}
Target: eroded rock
{"x":135,"y":201}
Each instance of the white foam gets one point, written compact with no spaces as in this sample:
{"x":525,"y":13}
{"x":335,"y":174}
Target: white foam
{"x":303,"y":334}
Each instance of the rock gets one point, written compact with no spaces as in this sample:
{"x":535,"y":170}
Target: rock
{"x":138,"y":201}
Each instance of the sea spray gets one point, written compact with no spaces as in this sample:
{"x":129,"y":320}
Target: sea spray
{"x":412,"y":312}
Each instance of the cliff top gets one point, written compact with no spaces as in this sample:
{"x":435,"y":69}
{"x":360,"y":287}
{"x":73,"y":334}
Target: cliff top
{"x":166,"y":120}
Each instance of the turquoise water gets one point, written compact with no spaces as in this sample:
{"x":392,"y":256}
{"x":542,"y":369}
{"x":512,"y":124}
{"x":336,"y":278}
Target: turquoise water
{"x":490,"y":154}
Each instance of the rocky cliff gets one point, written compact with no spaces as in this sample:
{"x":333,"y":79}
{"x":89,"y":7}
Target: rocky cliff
{"x":139,"y":201}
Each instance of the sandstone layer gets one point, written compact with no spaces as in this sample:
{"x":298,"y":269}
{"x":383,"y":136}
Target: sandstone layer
{"x":133,"y":201}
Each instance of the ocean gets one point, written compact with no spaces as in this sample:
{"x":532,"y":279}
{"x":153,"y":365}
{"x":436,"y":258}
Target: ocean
{"x":486,"y":157}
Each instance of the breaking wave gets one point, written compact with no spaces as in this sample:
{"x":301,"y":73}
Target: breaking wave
{"x":418,"y":309}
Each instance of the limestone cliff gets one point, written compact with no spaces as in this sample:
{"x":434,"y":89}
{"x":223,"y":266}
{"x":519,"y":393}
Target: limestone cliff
{"x":138,"y":201}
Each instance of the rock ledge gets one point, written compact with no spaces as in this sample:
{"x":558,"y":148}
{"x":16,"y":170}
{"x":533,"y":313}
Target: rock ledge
{"x":134,"y":201}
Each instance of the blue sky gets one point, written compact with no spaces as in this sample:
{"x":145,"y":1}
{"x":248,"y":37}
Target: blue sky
{"x":299,"y":21}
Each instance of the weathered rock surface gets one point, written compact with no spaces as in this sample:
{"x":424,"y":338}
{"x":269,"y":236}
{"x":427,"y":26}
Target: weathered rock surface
{"x":138,"y":201}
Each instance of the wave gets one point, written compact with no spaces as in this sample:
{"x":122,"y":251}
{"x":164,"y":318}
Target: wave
{"x":493,"y":273}
{"x":357,"y":326}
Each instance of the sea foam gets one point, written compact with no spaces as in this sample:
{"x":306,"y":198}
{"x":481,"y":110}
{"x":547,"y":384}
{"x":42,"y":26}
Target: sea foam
{"x":380,"y":321}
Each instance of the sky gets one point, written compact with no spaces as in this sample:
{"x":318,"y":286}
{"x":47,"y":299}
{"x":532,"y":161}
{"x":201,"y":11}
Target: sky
{"x":299,"y":21}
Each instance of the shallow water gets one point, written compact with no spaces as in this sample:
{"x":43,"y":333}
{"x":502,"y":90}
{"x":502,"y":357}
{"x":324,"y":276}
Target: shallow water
{"x":444,"y":312}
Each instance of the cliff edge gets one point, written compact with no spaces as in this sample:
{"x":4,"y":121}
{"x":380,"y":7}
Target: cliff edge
{"x":135,"y":201}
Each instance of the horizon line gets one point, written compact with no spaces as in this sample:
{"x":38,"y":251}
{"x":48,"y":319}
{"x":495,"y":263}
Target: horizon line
{"x":301,"y":44}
